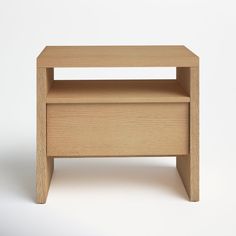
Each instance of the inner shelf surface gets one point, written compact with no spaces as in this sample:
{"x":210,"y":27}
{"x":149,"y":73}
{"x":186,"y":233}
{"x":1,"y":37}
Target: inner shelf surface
{"x":116,"y":91}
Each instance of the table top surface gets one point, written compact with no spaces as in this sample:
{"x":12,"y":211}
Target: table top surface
{"x":117,"y":56}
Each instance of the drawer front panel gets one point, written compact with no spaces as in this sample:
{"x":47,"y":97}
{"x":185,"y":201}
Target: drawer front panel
{"x":117,"y":129}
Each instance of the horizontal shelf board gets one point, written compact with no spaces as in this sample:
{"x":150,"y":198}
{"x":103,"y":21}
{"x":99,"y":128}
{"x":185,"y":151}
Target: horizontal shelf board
{"x":116,"y":91}
{"x":117,"y":56}
{"x":122,"y":156}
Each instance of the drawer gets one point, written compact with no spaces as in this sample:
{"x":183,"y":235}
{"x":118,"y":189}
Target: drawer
{"x":128,"y":129}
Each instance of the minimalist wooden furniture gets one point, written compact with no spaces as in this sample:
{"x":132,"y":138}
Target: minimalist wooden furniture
{"x":118,"y":118}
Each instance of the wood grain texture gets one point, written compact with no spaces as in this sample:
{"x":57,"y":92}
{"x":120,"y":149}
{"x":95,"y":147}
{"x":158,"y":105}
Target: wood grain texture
{"x":116,"y":91}
{"x":44,"y":165}
{"x":121,"y":118}
{"x":189,"y":167}
{"x":117,"y":129}
{"x":116,"y":56}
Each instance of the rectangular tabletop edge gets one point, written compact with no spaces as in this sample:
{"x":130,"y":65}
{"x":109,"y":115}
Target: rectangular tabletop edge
{"x":117,"y":56}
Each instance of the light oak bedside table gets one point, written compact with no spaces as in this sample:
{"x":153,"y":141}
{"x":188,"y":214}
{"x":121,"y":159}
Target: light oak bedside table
{"x":118,"y":118}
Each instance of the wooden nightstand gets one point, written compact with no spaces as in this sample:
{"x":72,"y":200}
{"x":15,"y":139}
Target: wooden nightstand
{"x":118,"y":118}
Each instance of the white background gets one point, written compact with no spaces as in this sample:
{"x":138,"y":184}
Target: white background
{"x":110,"y":196}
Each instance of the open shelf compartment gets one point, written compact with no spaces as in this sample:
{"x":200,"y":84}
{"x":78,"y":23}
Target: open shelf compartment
{"x":116,"y":91}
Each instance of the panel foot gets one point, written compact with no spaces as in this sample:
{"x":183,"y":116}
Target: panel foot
{"x":44,"y":172}
{"x":189,"y":174}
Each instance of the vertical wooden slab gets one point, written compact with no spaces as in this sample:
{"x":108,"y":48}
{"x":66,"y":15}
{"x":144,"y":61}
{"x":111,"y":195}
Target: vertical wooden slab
{"x":44,"y":165}
{"x":188,"y":167}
